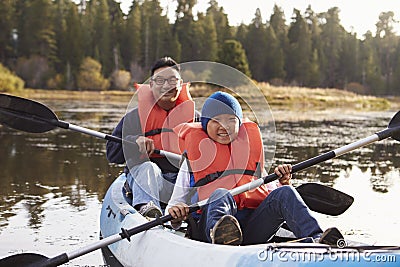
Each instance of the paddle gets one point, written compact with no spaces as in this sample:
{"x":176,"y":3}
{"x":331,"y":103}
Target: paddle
{"x":34,"y":117}
{"x":30,"y":116}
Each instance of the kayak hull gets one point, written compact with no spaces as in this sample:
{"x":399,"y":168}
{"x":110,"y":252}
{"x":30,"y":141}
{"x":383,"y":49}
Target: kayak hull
{"x":160,"y":245}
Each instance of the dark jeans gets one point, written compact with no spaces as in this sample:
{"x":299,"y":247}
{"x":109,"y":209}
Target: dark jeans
{"x":283,"y":204}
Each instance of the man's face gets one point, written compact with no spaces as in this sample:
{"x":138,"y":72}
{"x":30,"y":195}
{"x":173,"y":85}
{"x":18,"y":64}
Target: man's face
{"x":166,"y":85}
{"x":223,"y":128}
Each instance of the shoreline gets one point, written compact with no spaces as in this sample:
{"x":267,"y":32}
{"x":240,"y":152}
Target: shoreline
{"x":282,"y":98}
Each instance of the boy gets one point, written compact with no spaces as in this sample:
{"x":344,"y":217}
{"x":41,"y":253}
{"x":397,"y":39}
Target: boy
{"x":224,"y":152}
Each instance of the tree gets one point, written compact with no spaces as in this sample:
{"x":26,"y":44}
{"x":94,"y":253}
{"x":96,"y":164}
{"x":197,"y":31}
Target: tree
{"x":312,"y":21}
{"x":187,"y":30}
{"x":331,"y":39}
{"x":7,"y":24}
{"x":277,"y":22}
{"x":35,"y":71}
{"x":300,"y":53}
{"x":90,"y":77}
{"x":102,"y":34}
{"x":275,"y":61}
{"x":255,"y":45}
{"x":68,"y":37}
{"x":209,"y":44}
{"x":74,"y":51}
{"x":9,"y":82}
{"x":131,"y":47}
{"x":350,"y":69}
{"x":371,"y":71}
{"x":233,"y":54}
{"x":220,"y":18}
{"x":387,"y":48}
{"x":241,"y":33}
{"x":35,"y":30}
{"x":155,"y":27}
{"x":120,"y":80}
{"x":116,"y":32}
{"x":396,"y":73}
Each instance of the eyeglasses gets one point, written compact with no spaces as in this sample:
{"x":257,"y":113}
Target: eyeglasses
{"x":170,"y":80}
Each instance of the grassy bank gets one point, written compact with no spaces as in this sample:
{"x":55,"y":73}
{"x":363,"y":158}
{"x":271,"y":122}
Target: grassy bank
{"x":321,"y":98}
{"x":114,"y":96}
{"x":282,"y":97}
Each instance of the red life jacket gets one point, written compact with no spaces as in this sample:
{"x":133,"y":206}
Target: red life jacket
{"x":214,"y":165}
{"x":158,"y":123}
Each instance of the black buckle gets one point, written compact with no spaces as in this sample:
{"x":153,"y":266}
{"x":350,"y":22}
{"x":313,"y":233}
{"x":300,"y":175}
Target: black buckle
{"x":212,"y":176}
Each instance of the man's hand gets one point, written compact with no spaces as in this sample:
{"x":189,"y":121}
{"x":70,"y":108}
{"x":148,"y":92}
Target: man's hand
{"x":146,"y":145}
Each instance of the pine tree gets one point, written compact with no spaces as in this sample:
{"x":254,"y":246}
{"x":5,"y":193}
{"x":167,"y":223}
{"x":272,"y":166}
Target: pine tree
{"x":300,"y":50}
{"x":388,"y":43}
{"x":7,"y":35}
{"x":220,"y":18}
{"x":350,"y":68}
{"x":275,"y":61}
{"x":153,"y":26}
{"x":371,"y":71}
{"x":36,"y":32}
{"x":102,"y":35}
{"x":233,"y":54}
{"x":255,"y":46}
{"x":313,"y":24}
{"x":187,"y":30}
{"x":278,"y":23}
{"x":331,"y":39}
{"x":73,"y":47}
{"x":131,"y":46}
{"x":209,"y":42}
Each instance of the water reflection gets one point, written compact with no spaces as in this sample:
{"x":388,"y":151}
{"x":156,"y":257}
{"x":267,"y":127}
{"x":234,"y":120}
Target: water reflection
{"x":53,"y":183}
{"x":62,"y":163}
{"x":301,"y":140}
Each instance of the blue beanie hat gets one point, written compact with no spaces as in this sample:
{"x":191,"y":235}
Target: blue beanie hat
{"x":220,"y":103}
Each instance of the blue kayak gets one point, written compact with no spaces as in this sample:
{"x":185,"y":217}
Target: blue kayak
{"x":161,"y":245}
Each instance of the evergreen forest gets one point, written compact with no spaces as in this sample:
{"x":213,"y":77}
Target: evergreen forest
{"x":94,"y":45}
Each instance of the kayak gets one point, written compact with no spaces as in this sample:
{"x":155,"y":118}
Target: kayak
{"x":161,"y":245}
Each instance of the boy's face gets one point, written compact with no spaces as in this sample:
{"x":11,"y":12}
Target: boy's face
{"x":223,"y":128}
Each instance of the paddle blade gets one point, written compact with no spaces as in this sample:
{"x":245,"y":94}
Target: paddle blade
{"x":324,"y":199}
{"x":25,"y":115}
{"x":23,"y":260}
{"x":395,"y":122}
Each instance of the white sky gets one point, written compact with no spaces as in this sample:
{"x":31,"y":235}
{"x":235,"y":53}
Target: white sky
{"x":355,"y":16}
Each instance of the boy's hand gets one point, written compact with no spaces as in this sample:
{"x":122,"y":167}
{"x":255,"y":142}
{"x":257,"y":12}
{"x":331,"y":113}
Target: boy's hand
{"x":284,"y":173}
{"x":179,"y":212}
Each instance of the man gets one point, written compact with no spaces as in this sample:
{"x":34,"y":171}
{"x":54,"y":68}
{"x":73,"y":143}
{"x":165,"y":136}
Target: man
{"x":163,"y":104}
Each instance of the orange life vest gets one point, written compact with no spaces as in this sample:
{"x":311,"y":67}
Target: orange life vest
{"x":158,"y":123}
{"x":214,"y":165}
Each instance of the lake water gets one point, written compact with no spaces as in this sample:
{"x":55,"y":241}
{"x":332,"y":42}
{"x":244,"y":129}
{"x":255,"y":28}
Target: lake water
{"x":53,"y":183}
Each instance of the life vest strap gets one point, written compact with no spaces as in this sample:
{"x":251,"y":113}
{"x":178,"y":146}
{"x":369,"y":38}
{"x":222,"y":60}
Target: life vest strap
{"x":157,"y":131}
{"x":216,"y":175}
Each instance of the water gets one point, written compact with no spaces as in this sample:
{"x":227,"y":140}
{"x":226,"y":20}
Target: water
{"x":53,"y":183}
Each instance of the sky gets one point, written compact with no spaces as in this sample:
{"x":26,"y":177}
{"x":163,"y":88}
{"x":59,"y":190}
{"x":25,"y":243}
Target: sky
{"x":355,"y":16}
